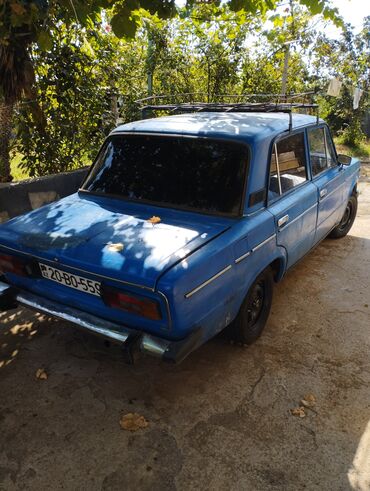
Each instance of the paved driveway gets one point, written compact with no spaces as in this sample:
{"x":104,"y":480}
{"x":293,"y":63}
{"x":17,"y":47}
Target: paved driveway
{"x":219,"y":421}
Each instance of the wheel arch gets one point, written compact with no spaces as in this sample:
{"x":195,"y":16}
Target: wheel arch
{"x":278,"y":266}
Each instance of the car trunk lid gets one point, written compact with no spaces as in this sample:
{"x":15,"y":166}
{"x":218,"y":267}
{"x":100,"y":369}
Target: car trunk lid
{"x":110,"y":237}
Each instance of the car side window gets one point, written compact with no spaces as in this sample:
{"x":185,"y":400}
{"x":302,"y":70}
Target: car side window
{"x":317,"y":145}
{"x":322,"y":151}
{"x":288,"y":167}
{"x":330,"y":151}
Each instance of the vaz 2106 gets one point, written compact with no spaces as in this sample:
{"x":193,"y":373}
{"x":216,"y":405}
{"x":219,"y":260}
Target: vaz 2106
{"x":181,"y":228}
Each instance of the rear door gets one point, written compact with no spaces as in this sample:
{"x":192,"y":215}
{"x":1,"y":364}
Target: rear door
{"x":327,"y":177}
{"x":292,"y":196}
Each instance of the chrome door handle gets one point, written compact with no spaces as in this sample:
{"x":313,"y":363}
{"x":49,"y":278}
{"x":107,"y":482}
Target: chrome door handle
{"x":283,"y":220}
{"x":323,"y":193}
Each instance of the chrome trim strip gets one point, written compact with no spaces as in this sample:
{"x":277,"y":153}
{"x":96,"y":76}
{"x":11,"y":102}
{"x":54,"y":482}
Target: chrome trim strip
{"x":167,"y":303}
{"x":299,"y":216}
{"x":4,"y":287}
{"x":263,"y":243}
{"x":239,"y":259}
{"x":58,"y":264}
{"x":202,"y":285}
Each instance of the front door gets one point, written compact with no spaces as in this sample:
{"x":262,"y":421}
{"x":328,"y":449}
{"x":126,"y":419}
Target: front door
{"x":292,"y":197}
{"x":328,"y":178}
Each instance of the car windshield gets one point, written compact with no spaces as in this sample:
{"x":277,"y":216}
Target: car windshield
{"x":201,"y":174}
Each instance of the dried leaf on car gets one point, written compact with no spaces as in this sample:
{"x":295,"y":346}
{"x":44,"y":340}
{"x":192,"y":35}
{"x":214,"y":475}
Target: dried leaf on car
{"x":154,"y":220}
{"x":115,"y":247}
{"x":133,"y":422}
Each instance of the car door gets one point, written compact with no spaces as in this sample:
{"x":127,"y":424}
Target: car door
{"x":328,"y":178}
{"x":292,"y":197}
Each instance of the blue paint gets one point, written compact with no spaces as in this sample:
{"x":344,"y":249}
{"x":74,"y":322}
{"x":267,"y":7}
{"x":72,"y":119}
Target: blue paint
{"x":170,"y":259}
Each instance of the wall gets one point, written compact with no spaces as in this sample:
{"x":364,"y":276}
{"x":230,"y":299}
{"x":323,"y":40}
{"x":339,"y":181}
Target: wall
{"x":20,"y":197}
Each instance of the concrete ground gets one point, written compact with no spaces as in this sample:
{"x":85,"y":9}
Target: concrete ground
{"x":219,"y":421}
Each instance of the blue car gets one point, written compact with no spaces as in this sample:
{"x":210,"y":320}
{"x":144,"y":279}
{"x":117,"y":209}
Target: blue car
{"x":182,"y":226}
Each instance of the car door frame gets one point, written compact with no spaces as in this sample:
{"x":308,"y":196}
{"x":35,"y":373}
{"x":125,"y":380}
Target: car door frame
{"x":306,"y":214}
{"x":329,"y":210}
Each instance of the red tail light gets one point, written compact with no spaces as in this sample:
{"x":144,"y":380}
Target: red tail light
{"x":135,"y":304}
{"x":12,"y":264}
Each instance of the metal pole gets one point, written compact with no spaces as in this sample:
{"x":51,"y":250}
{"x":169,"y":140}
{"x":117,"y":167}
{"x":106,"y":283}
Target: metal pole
{"x":285,"y":71}
{"x":150,"y":64}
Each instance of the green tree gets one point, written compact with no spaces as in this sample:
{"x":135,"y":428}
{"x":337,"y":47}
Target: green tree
{"x":23,"y":24}
{"x":26,"y":23}
{"x":347,"y":58}
{"x":77,"y":91}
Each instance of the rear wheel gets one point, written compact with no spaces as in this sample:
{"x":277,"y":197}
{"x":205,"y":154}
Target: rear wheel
{"x":254,"y":312}
{"x":347,"y":220}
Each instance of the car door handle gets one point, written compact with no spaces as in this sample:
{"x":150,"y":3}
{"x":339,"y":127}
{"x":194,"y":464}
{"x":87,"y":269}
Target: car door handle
{"x":283,"y":220}
{"x":323,"y":193}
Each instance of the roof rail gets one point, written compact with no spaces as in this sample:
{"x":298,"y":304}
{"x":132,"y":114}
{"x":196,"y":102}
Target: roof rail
{"x":148,"y":106}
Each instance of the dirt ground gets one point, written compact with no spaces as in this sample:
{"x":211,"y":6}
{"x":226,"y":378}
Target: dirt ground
{"x":219,"y":421}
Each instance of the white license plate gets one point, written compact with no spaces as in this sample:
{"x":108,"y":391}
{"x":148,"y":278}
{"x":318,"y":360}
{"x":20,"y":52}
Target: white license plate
{"x":71,"y":280}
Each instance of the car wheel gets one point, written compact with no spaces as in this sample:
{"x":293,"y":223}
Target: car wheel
{"x":254,"y":312}
{"x":347,"y":220}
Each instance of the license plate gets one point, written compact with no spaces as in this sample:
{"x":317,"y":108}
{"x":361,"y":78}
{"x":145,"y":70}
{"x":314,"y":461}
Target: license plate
{"x":71,"y":280}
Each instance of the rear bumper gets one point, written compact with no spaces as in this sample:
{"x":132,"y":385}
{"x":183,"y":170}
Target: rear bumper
{"x":131,"y":339}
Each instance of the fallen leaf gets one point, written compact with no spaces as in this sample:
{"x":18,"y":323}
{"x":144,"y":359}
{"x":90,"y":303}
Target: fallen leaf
{"x":133,"y":422}
{"x":298,"y":411}
{"x":154,"y":220}
{"x":41,"y":374}
{"x":309,"y":400}
{"x":115,"y":247}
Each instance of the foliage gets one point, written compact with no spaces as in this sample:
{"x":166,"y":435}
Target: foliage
{"x":17,"y":172}
{"x":75,"y":92}
{"x":81,"y":68}
{"x":362,"y":150}
{"x":348,"y":56}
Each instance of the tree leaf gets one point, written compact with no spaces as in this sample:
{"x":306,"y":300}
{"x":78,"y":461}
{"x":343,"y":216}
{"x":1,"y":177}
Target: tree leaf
{"x":45,"y":41}
{"x":123,"y":25}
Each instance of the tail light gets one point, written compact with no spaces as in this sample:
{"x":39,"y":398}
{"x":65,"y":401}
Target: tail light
{"x":132,"y":303}
{"x":12,"y":264}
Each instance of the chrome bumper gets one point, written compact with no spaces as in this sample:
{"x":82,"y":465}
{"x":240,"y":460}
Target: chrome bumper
{"x":131,"y":339}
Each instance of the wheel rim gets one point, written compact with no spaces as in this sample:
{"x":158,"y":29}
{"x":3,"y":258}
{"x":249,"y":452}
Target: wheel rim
{"x":255,"y":304}
{"x":346,"y":217}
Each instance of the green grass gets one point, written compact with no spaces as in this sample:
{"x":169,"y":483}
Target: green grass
{"x":362,"y":150}
{"x":17,"y":173}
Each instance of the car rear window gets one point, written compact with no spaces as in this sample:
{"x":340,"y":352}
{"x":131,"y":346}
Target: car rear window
{"x":192,"y":173}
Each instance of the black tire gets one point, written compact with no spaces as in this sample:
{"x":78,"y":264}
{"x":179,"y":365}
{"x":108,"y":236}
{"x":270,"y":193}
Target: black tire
{"x":254,"y":312}
{"x":348,"y":218}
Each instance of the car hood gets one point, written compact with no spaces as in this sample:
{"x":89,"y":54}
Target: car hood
{"x":111,"y":237}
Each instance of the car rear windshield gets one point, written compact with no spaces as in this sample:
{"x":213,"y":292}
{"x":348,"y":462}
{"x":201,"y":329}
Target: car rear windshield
{"x":201,"y":174}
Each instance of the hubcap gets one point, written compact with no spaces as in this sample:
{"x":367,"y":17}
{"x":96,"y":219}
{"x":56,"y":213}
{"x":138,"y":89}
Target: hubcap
{"x":255,"y":303}
{"x":346,"y":217}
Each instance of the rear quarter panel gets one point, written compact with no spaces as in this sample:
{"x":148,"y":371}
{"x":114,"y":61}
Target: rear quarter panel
{"x":215,"y":305}
{"x":351,"y":176}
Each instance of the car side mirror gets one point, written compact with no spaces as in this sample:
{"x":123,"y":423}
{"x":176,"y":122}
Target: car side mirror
{"x":344,"y":159}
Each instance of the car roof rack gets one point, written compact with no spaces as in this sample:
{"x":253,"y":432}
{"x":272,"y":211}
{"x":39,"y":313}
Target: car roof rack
{"x":152,"y":105}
